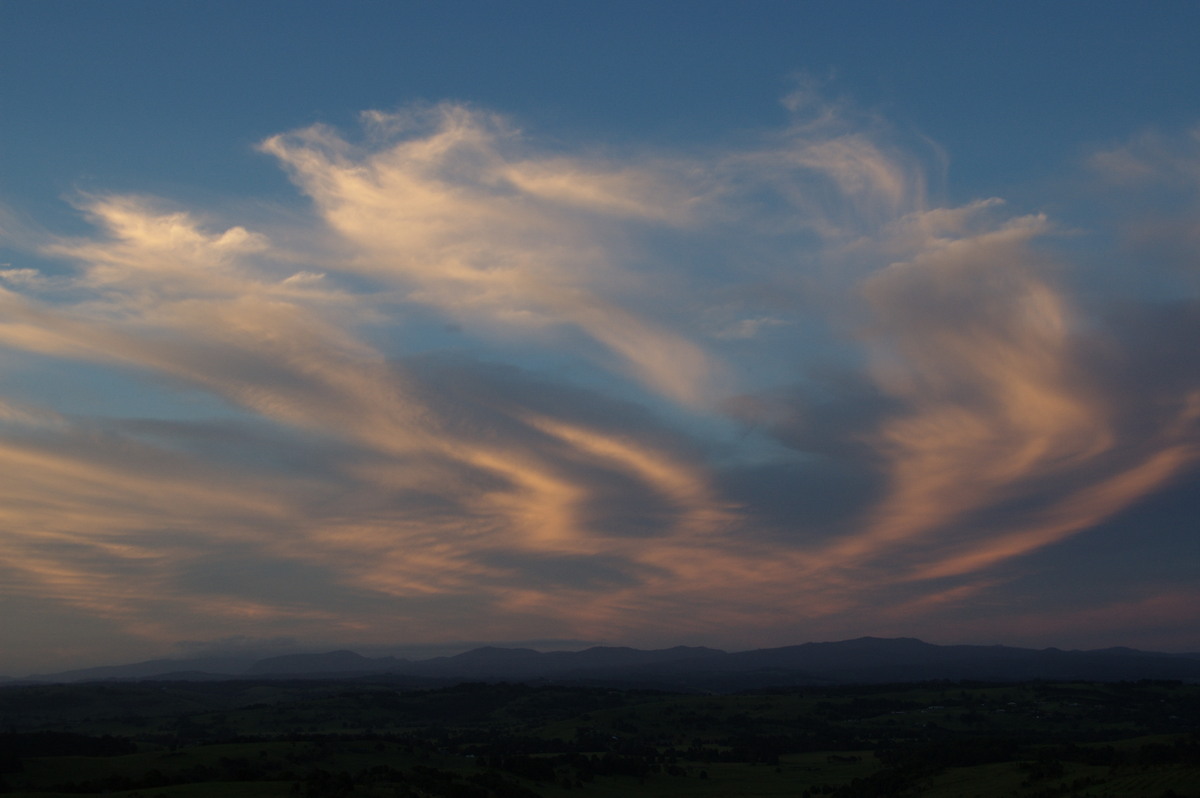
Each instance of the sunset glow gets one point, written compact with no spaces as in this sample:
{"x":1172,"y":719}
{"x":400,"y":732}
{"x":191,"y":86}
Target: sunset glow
{"x":380,"y":360}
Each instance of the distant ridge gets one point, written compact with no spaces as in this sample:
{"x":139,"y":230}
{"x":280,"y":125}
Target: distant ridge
{"x":212,"y":666}
{"x":862,"y":660}
{"x":334,"y":662}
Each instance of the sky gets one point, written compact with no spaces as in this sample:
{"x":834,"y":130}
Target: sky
{"x":414,"y":326}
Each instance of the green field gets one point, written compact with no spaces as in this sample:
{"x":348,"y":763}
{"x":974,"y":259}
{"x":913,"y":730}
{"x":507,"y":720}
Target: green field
{"x":369,"y":738}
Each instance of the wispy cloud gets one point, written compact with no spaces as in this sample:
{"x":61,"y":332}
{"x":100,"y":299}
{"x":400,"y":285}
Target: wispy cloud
{"x":625,"y":339}
{"x":447,"y":208}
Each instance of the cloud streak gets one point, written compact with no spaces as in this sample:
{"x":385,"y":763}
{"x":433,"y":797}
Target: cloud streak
{"x":621,"y":337}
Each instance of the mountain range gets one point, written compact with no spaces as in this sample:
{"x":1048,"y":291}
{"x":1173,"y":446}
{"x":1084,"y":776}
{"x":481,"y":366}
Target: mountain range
{"x":863,"y":660}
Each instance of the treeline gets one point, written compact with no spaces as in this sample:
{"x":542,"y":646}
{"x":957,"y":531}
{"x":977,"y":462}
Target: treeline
{"x":511,"y":741}
{"x":315,"y":782}
{"x":906,"y":767}
{"x":15,"y":747}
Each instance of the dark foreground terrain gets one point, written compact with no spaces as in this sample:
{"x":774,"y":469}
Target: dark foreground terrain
{"x":370,"y":738}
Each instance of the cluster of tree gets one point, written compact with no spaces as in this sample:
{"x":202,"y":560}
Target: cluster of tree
{"x":418,"y":782}
{"x":907,"y":767}
{"x":58,"y":743}
{"x":1182,"y":751}
{"x":508,"y":741}
{"x":16,"y":747}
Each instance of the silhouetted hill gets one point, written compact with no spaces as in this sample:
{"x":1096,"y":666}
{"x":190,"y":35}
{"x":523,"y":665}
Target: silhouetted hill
{"x":906,"y":659}
{"x":863,"y":660}
{"x":338,"y":663}
{"x":155,"y":668}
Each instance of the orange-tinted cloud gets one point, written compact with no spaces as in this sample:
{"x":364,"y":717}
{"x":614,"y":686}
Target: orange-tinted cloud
{"x":928,"y":393}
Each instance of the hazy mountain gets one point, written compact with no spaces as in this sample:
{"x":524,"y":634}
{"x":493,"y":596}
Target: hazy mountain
{"x":331,"y":663}
{"x":524,"y":663}
{"x":155,"y":668}
{"x":906,"y":659}
{"x":863,"y":660}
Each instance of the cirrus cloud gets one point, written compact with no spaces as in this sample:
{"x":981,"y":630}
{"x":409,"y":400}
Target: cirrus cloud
{"x":631,"y":347}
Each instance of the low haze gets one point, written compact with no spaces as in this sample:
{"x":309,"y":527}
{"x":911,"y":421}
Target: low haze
{"x":390,"y":326}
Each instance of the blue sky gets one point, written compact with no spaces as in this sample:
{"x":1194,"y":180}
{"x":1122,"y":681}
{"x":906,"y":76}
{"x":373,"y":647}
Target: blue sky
{"x":737,"y":324}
